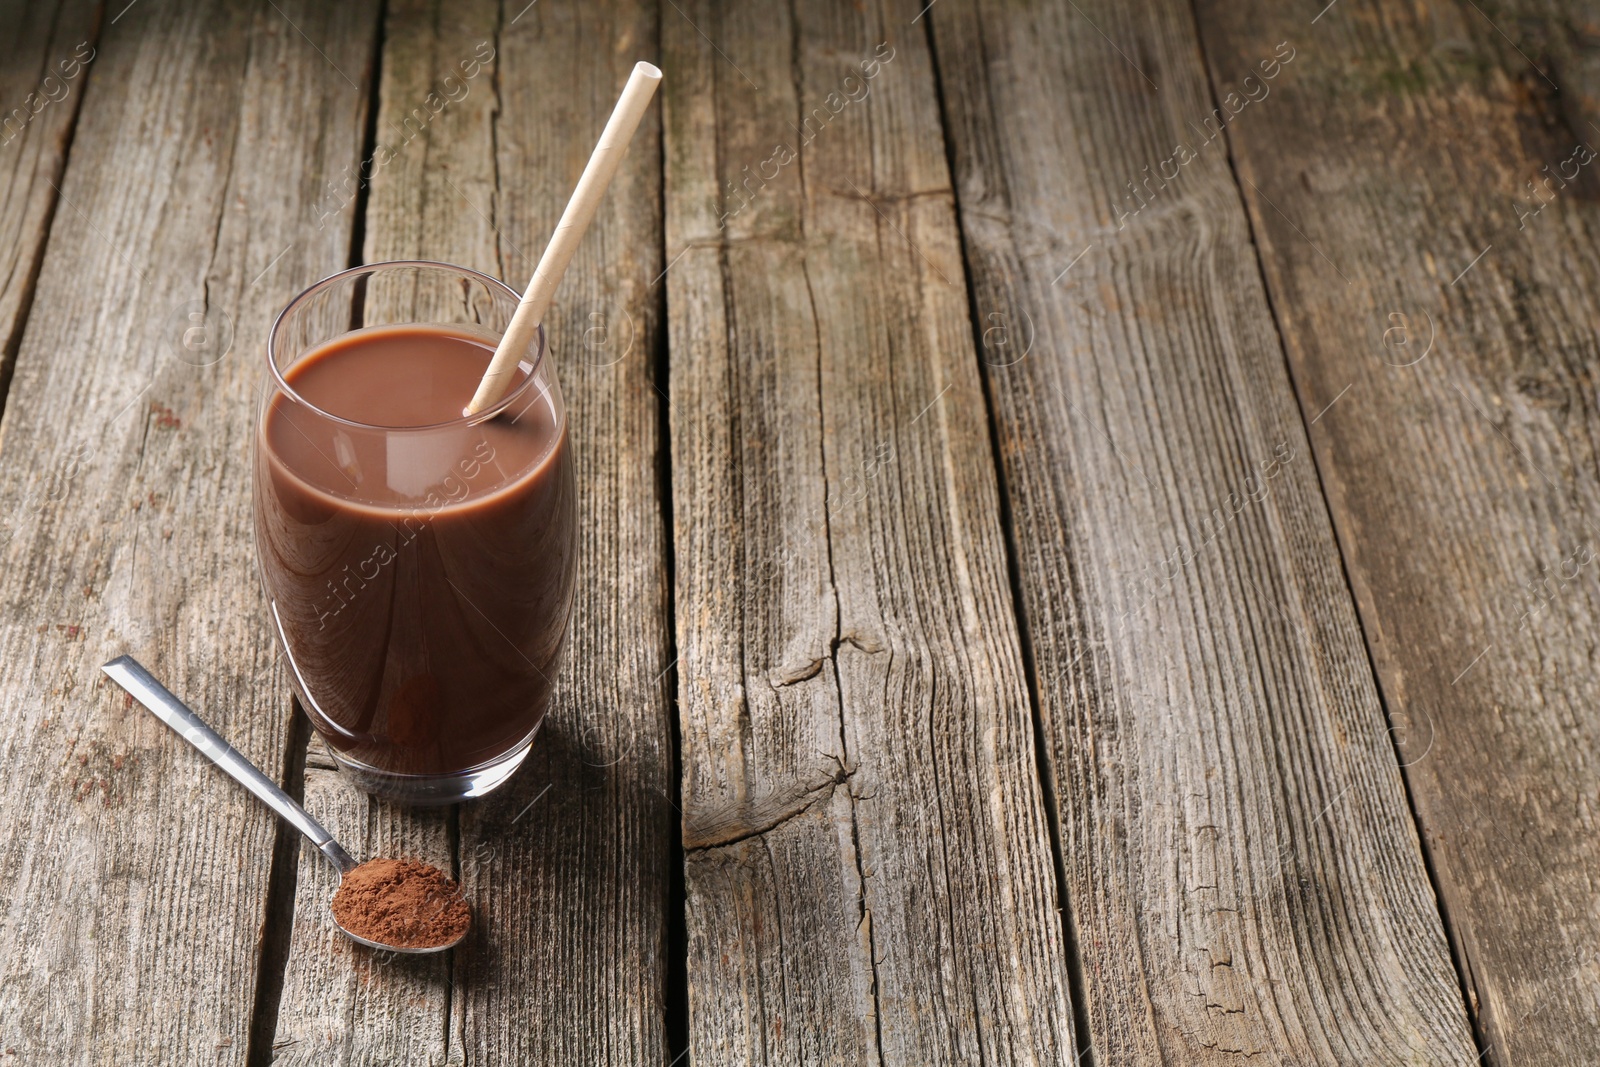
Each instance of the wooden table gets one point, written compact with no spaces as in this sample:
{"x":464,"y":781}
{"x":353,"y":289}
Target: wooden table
{"x":1088,"y":555}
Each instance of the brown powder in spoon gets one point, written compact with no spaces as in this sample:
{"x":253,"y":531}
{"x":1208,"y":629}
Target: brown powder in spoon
{"x":403,"y":903}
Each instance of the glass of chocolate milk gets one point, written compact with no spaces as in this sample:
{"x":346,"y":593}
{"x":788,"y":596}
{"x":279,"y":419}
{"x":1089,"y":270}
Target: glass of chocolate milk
{"x":418,"y":563}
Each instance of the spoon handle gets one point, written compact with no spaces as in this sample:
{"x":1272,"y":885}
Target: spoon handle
{"x":131,"y":675}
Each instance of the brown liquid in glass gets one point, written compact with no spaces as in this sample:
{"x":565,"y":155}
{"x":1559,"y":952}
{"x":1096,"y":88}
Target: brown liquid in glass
{"x":421,"y":580}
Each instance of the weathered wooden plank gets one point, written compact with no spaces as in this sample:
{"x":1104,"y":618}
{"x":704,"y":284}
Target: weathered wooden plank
{"x":869,"y":871}
{"x":135,"y":874}
{"x":567,"y":865}
{"x":1459,"y":451}
{"x":342,"y":1004}
{"x":44,"y":64}
{"x":572,"y":883}
{"x":1242,"y":868}
{"x":577,"y":876}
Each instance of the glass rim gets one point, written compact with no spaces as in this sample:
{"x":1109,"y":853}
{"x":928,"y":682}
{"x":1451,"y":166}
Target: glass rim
{"x":464,"y":420}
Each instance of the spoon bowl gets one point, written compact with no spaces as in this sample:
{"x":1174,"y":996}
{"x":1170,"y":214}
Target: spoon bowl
{"x":340,"y":860}
{"x":399,"y":949}
{"x":132,"y":676}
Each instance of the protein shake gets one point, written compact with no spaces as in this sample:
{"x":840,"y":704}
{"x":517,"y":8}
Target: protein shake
{"x":419,"y":565}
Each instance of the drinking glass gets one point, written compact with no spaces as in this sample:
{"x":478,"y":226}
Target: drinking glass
{"x":419,"y":578}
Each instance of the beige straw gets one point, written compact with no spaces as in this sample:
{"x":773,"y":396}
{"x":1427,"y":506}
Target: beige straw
{"x":575,"y":220}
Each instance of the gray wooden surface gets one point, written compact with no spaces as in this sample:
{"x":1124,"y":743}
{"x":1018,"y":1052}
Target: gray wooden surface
{"x":135,"y":877}
{"x":1041,"y":599}
{"x":1460,"y":466}
{"x":869,"y":873}
{"x":1236,"y":837}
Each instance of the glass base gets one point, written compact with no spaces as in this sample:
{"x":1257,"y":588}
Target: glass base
{"x":431,"y":790}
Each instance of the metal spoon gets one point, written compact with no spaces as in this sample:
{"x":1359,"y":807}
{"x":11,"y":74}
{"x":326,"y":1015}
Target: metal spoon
{"x":132,"y":676}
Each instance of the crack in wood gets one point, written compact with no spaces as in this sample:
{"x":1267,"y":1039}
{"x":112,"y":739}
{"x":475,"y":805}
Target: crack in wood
{"x":736,"y":824}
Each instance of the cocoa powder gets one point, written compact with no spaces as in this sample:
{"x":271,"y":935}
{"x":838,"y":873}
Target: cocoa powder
{"x":404,"y":903}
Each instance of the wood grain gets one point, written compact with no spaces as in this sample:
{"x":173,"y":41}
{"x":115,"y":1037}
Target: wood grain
{"x":42,"y":75}
{"x":342,"y":1004}
{"x":870,"y":875}
{"x":1460,"y":465}
{"x":1242,"y":869}
{"x":569,"y":864}
{"x":566,"y":866}
{"x":135,"y":875}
